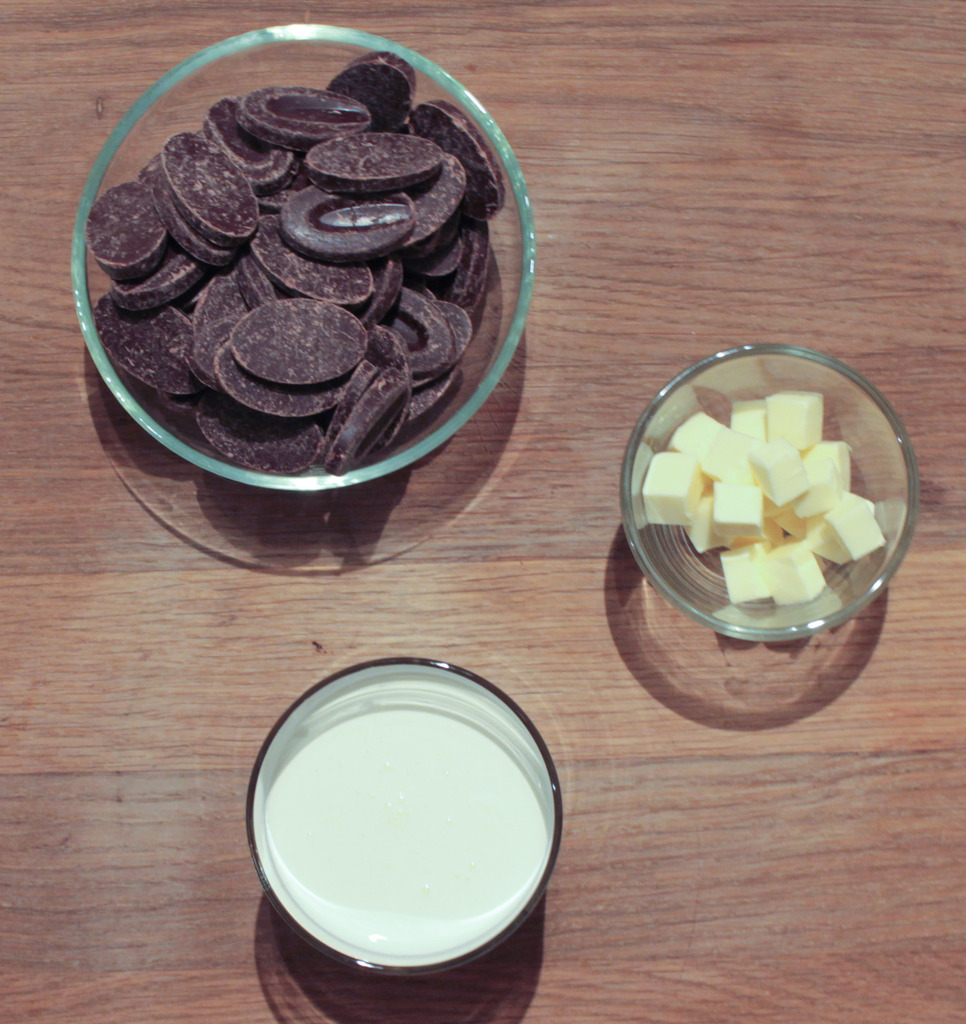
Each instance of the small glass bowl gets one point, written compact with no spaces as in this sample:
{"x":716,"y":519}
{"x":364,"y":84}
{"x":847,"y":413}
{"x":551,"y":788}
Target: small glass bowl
{"x":404,"y":815}
{"x":292,"y":55}
{"x":883,"y":470}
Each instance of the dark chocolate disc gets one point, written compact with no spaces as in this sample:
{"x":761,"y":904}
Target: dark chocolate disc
{"x":459,"y":323}
{"x":438,"y":200}
{"x":426,"y":332}
{"x":370,"y":419}
{"x":298,"y":341}
{"x":180,"y":230}
{"x":255,"y":440}
{"x":177,"y":273}
{"x":214,"y":197}
{"x":383,"y":83}
{"x":151,"y":346}
{"x":372,"y":162}
{"x":297,"y":117}
{"x":124,"y":233}
{"x":468,"y":286}
{"x":219,"y":299}
{"x":454,"y":132}
{"x":286,"y":400}
{"x":433,"y":396}
{"x":268,"y":168}
{"x":253,"y":283}
{"x":348,"y":284}
{"x":387,"y":279}
{"x":345,"y":229}
{"x":439,"y":263}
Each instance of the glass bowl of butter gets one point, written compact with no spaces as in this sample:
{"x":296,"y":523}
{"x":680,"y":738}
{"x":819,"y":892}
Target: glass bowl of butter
{"x":769,"y":492}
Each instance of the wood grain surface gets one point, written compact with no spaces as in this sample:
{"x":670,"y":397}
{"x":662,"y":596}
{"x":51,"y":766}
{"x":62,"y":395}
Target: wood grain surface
{"x":753,"y":833}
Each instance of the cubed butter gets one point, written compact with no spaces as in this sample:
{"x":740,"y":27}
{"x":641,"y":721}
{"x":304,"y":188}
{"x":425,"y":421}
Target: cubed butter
{"x":695,"y":434}
{"x":824,"y":541}
{"x":737,"y":510}
{"x":742,"y":573}
{"x":855,"y":524}
{"x":795,"y":416}
{"x":825,"y":488}
{"x":750,"y":417}
{"x":788,"y":520}
{"x":727,"y":457}
{"x":700,"y":530}
{"x":792,"y":573}
{"x":778,"y":469}
{"x":839,"y":452}
{"x":672,"y":488}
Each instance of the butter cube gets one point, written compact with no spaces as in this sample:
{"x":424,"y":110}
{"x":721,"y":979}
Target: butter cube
{"x":700,"y":530}
{"x":737,"y":510}
{"x":778,"y":469}
{"x":839,"y":452}
{"x":825,"y":487}
{"x":727,"y":457}
{"x":788,"y":520}
{"x":742,"y":573}
{"x":672,"y":488}
{"x":824,"y":541}
{"x":792,"y":573}
{"x":855,"y":524}
{"x":750,"y":418}
{"x":695,"y":434}
{"x":795,"y":416}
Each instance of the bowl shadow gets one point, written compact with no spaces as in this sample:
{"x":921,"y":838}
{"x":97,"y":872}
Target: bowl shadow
{"x":722,"y":682}
{"x":294,"y":532}
{"x":301,"y":984}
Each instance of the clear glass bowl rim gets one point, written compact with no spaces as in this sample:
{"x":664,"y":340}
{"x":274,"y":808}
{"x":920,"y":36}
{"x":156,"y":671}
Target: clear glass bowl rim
{"x":229,"y":47}
{"x":555,"y":791}
{"x":889,"y":568}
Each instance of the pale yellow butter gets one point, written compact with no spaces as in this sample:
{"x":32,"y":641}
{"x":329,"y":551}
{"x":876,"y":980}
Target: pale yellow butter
{"x":787,"y":519}
{"x":700,"y":530}
{"x":839,"y":452}
{"x":737,"y":510}
{"x":743,"y":575}
{"x":672,"y":488}
{"x":796,"y":416}
{"x":824,"y":541}
{"x":750,"y":417}
{"x":855,"y":524}
{"x":792,"y":573}
{"x":778,"y":469}
{"x":727,"y":457}
{"x":695,"y":434}
{"x":825,"y":487}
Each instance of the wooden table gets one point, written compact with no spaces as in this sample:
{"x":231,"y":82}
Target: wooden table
{"x":752,"y":833}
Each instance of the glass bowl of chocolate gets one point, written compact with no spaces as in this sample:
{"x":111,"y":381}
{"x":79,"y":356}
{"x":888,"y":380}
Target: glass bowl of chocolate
{"x":303,"y":259}
{"x":770,"y":492}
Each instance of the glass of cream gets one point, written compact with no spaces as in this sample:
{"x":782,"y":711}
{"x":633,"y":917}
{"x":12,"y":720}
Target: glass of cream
{"x":404,"y":815}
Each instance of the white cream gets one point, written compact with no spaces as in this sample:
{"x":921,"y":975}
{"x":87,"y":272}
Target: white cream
{"x":405,"y":821}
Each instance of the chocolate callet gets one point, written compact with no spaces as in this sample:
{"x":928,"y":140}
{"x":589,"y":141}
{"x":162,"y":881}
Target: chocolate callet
{"x":345,"y":229}
{"x":384,"y":83}
{"x":372,"y":162}
{"x":348,"y":284}
{"x":297,"y":117}
{"x":387,"y":279}
{"x":124,"y":233}
{"x":180,"y":230}
{"x":255,"y":440}
{"x":454,"y":132}
{"x":253,"y":283}
{"x":468,"y":286}
{"x":213,"y":196}
{"x":176,"y":273}
{"x":437,"y":200}
{"x":151,"y":346}
{"x":268,"y":168}
{"x":298,"y":341}
{"x":426,"y":332}
{"x":375,"y":415}
{"x":276,"y":399}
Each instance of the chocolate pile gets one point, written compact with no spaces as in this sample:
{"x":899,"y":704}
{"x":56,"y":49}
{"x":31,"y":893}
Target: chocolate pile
{"x":305,"y":270}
